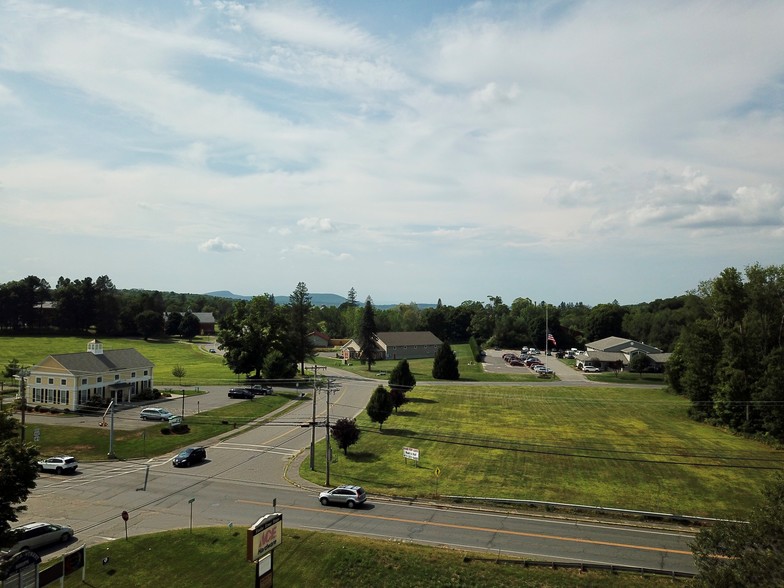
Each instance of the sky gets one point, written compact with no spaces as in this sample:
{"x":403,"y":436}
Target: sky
{"x":414,"y":151}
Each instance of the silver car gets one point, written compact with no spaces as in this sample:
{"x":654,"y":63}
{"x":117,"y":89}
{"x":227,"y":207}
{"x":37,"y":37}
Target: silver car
{"x":351,"y":496}
{"x":37,"y":535}
{"x":155,"y":414}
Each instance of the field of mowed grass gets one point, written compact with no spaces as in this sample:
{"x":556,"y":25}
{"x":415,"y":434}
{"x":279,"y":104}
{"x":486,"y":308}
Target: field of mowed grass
{"x":623,"y":448}
{"x":470,"y":370}
{"x":201,"y":368}
{"x":182,"y":559}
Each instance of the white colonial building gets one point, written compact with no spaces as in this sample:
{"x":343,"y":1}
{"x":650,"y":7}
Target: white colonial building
{"x":95,"y":376}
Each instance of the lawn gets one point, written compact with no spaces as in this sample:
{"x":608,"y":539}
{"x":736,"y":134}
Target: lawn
{"x":201,"y":368}
{"x":624,"y":448}
{"x":179,"y":559}
{"x":92,"y":443}
{"x":470,"y":370}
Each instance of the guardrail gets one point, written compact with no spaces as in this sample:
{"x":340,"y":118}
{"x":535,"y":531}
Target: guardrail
{"x":693,"y":520}
{"x":581,"y":566}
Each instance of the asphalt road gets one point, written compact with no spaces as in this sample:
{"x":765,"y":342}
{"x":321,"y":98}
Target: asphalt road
{"x":245,"y":473}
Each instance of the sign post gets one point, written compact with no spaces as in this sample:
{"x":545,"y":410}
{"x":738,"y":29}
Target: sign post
{"x":262,"y":538}
{"x":124,"y":516}
{"x":411,"y":453}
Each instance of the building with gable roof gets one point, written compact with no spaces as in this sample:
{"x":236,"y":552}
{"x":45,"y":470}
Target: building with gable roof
{"x":95,"y":376}
{"x":398,"y":345}
{"x":607,"y":352}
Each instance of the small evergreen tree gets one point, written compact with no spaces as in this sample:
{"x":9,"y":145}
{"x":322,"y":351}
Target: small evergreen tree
{"x":445,"y":364}
{"x":277,"y":366}
{"x":380,"y":406}
{"x":398,"y":397}
{"x":401,"y":377}
{"x":346,"y":433}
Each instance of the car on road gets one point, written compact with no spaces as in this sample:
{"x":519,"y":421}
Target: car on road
{"x":190,"y":456}
{"x":37,"y":535}
{"x":350,"y":496}
{"x":259,"y":390}
{"x":590,"y":368}
{"x":212,"y":350}
{"x":59,"y":464}
{"x":241,"y":393}
{"x":155,"y":414}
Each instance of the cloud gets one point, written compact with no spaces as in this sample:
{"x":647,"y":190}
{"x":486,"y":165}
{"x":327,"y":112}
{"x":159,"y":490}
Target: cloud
{"x":311,"y":251}
{"x":218,"y":245}
{"x":320,"y":225}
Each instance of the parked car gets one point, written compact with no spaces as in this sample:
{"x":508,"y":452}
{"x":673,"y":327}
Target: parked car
{"x":59,"y":464}
{"x":590,"y":368}
{"x":190,"y":456}
{"x":351,"y":496}
{"x":37,"y":535}
{"x":212,"y":350}
{"x":259,"y":390}
{"x":241,"y":393}
{"x":155,"y":414}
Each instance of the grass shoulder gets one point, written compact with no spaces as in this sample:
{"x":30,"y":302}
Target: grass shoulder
{"x":180,"y":559}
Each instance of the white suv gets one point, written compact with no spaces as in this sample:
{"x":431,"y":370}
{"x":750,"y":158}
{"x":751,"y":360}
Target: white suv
{"x":59,"y":464}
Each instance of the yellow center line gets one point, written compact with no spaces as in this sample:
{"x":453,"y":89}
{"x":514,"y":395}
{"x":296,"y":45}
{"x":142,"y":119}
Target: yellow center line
{"x":483,"y":529}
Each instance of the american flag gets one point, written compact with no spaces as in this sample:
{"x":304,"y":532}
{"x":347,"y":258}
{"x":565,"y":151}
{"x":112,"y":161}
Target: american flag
{"x":551,"y":339}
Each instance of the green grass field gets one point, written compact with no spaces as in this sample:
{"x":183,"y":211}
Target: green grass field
{"x":201,"y":368}
{"x":624,"y":448}
{"x":470,"y":370}
{"x":179,"y":559}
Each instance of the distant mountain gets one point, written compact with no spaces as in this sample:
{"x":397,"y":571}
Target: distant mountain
{"x":317,"y":299}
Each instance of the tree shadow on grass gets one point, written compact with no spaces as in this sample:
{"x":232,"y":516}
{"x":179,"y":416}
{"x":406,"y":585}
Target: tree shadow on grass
{"x":399,"y":432}
{"x":361,"y":456}
{"x":407,"y":413}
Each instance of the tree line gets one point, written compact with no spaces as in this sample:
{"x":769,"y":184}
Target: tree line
{"x":83,"y":305}
{"x":730,"y":362}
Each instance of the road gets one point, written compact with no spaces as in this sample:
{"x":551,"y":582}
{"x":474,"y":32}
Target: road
{"x":245,"y":473}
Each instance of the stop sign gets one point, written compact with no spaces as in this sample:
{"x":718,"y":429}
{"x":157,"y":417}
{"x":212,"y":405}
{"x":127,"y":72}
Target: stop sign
{"x":125,"y":515}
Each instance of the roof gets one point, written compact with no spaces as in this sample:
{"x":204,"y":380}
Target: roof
{"x":621,"y":344}
{"x":398,"y":338}
{"x":90,"y":363}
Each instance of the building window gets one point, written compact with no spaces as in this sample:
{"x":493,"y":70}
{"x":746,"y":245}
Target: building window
{"x":51,"y":381}
{"x":116,"y":377}
{"x":84,"y":381}
{"x":38,"y":380}
{"x":62,"y":382}
{"x":99,"y":379}
{"x":145,"y":372}
{"x":133,"y":374}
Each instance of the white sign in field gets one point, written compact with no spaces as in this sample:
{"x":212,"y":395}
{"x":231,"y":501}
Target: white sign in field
{"x":411,"y":453}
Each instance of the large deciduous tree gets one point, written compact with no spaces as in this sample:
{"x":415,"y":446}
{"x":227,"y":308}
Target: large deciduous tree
{"x":250,"y":332}
{"x":149,"y":324}
{"x":17,"y":472}
{"x":367,"y":335}
{"x":445,"y":365}
{"x":190,"y":326}
{"x":379,"y":407}
{"x":736,"y":554}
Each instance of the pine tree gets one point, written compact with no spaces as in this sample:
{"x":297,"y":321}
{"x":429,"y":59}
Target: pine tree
{"x":445,"y":364}
{"x":367,"y":335}
{"x":401,"y":377}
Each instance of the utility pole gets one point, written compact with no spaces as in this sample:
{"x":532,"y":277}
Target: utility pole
{"x":329,"y":448}
{"x":111,"y":455}
{"x":315,"y":369}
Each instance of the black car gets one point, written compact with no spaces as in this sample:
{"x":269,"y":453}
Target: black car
{"x":190,"y":456}
{"x":241,"y":393}
{"x":260,"y":390}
